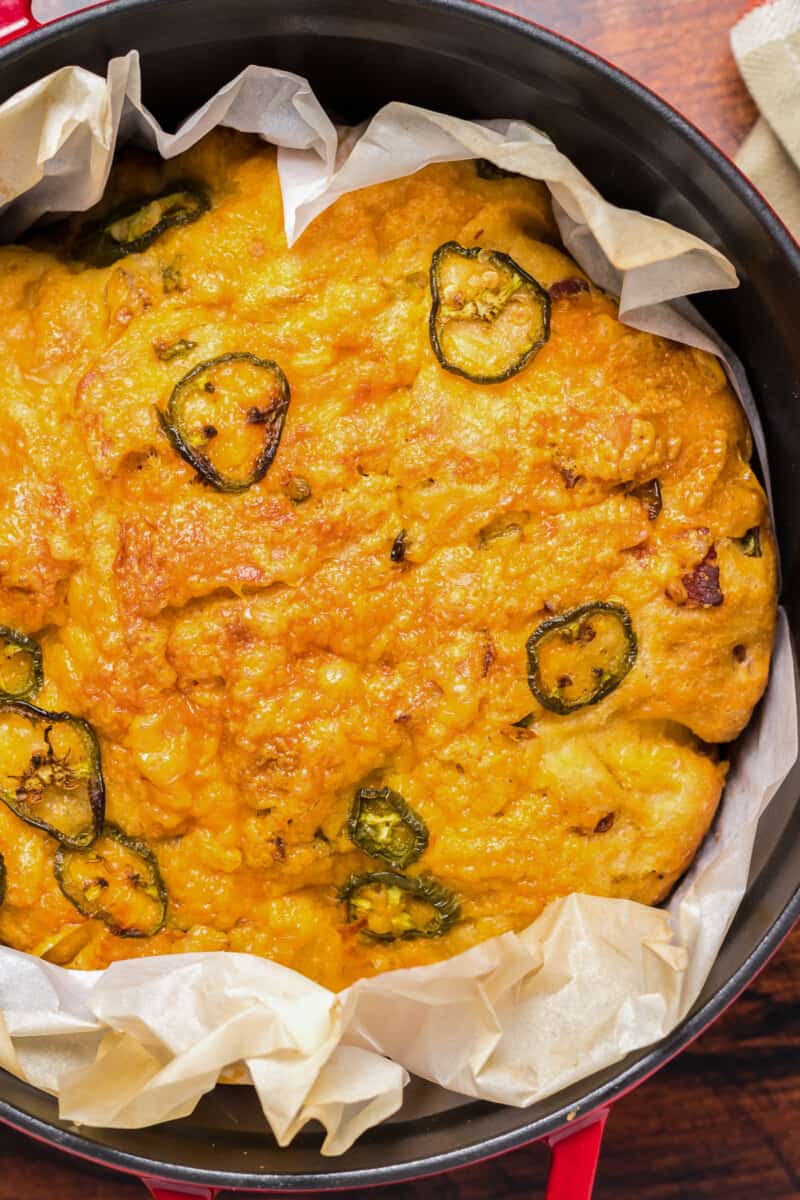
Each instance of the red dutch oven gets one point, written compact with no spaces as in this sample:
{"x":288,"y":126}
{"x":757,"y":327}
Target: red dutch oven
{"x":475,"y":61}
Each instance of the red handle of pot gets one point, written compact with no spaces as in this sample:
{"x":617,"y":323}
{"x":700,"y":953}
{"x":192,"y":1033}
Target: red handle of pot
{"x":575,"y":1156}
{"x":15,"y":20}
{"x":572,"y":1170}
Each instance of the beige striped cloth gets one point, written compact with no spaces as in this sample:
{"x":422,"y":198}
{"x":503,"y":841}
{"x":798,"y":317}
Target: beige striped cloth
{"x":766,"y":45}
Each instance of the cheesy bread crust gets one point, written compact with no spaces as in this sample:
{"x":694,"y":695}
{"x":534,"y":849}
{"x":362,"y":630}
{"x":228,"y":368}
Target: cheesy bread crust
{"x":249,"y":661}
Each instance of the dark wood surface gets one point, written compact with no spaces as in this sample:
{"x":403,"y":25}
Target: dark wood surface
{"x":723,"y":1120}
{"x":679,"y":48}
{"x":720,"y":1122}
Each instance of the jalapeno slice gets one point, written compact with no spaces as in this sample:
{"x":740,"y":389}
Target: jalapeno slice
{"x":399,"y":546}
{"x":489,"y":317}
{"x":751,"y":542}
{"x":226,"y":416}
{"x":136,"y":225}
{"x":383,"y":825}
{"x":116,"y":880}
{"x":521,"y":730}
{"x":166,"y":351}
{"x":392,"y":907}
{"x":21,"y":670}
{"x":50,"y":772}
{"x":580,"y":657}
{"x":650,"y":495}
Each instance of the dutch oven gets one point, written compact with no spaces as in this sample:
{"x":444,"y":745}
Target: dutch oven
{"x":475,"y":61}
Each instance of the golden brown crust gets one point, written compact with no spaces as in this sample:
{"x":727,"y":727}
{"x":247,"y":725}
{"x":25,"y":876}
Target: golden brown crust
{"x":248,"y":661}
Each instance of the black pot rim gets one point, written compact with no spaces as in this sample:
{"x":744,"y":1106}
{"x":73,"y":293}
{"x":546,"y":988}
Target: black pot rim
{"x":693,"y":1025}
{"x":597,"y":1098}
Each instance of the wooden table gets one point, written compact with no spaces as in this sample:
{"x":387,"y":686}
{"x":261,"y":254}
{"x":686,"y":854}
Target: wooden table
{"x":723,"y":1120}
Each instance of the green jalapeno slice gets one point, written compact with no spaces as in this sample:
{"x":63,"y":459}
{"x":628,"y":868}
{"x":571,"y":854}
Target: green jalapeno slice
{"x":521,"y":730}
{"x":383,"y":825}
{"x":751,"y":542}
{"x":580,"y":657}
{"x":399,"y":546}
{"x":116,"y":880}
{"x":650,"y":495}
{"x":392,"y":907}
{"x":489,"y":317}
{"x":166,"y":351}
{"x":50,"y":772}
{"x":21,"y":670}
{"x":225,"y":418}
{"x":136,"y":225}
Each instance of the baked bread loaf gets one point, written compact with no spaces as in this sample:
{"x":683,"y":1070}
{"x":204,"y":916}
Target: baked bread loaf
{"x":359,"y":598}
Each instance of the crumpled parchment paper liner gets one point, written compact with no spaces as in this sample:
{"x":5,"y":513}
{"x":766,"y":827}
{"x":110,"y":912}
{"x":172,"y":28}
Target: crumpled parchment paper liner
{"x":522,"y":1015}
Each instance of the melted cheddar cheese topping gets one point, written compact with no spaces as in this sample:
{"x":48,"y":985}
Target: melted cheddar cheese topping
{"x":249,"y":661}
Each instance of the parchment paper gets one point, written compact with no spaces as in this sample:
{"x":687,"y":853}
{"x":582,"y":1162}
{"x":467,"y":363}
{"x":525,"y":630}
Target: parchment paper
{"x":518,"y":1017}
